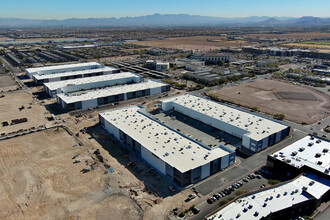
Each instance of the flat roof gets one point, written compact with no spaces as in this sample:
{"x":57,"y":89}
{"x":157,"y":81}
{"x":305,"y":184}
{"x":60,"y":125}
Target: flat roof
{"x":65,"y":66}
{"x":255,"y":126}
{"x":72,"y":73}
{"x":309,"y":151}
{"x":217,"y":54}
{"x":169,"y":145}
{"x":103,"y":92}
{"x":265,"y":202}
{"x":79,"y":46}
{"x":86,"y":80}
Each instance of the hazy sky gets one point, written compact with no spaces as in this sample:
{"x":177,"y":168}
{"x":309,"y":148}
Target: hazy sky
{"x":62,"y":9}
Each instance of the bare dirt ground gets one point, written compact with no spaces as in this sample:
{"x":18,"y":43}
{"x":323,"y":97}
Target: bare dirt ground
{"x":193,"y":43}
{"x":298,"y":36}
{"x":264,"y":95}
{"x":10,"y":109}
{"x":118,"y":58}
{"x":38,"y":180}
{"x":42,"y":39}
{"x":7,"y":83}
{"x":324,"y":48}
{"x":292,"y":66}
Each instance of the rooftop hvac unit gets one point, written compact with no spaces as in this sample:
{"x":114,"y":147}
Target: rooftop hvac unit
{"x":294,"y":153}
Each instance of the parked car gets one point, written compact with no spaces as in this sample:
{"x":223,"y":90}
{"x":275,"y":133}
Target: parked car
{"x":216,"y":196}
{"x":228,"y":191}
{"x":258,"y":172}
{"x":232,"y":188}
{"x":195,"y":210}
{"x":245,"y":180}
{"x":211,"y":200}
{"x":191,"y":196}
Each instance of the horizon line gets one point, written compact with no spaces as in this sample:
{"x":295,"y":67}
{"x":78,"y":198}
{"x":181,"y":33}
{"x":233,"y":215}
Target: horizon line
{"x":155,"y":14}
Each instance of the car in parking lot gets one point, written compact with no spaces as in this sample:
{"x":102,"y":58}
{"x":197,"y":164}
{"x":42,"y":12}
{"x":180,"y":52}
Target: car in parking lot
{"x":228,"y":191}
{"x":191,"y":196}
{"x":211,"y":200}
{"x":258,"y":176}
{"x":217,"y":196}
{"x":258,"y":172}
{"x":246,"y":180}
{"x":195,"y":210}
{"x":231,"y":188}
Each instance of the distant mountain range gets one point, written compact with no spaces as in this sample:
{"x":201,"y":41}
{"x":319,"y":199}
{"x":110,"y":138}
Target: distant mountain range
{"x":156,"y":20}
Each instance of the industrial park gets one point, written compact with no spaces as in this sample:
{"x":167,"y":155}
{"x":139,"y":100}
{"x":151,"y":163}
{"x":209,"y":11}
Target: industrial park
{"x":165,"y":117}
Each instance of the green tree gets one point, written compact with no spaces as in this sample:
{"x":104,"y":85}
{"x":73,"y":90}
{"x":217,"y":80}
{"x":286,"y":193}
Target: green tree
{"x":279,"y":116}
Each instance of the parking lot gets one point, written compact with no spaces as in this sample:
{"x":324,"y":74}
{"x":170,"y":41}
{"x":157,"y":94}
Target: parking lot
{"x":227,"y":193}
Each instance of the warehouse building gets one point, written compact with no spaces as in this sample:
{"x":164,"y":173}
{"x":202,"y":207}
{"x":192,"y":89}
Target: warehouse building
{"x":298,"y":197}
{"x":73,"y":85}
{"x":62,"y":68}
{"x":40,"y":79}
{"x":307,"y":154}
{"x":257,"y":133}
{"x":96,"y":97}
{"x":16,"y":61}
{"x":216,"y":57}
{"x":176,"y":156}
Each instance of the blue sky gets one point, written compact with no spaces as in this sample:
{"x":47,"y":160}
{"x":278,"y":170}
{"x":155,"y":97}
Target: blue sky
{"x":62,"y":9}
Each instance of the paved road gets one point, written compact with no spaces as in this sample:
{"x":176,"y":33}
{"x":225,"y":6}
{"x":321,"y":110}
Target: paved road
{"x":246,"y":166}
{"x":222,"y":180}
{"x":325,"y":215}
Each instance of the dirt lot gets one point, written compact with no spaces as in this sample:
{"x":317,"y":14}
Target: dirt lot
{"x":323,"y":48}
{"x":193,"y":43}
{"x":292,"y":66}
{"x":118,"y":58}
{"x":38,"y":180}
{"x":7,"y":83}
{"x":10,"y":109}
{"x":300,"y":36}
{"x":298,"y":103}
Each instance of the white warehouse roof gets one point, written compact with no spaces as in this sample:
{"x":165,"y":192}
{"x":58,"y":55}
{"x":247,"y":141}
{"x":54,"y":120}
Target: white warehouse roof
{"x":308,"y":151}
{"x":262,"y":203}
{"x":169,"y":145}
{"x":99,"y":93}
{"x":58,"y":67}
{"x":255,"y":126}
{"x":85,"y":80}
{"x":72,"y":73}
